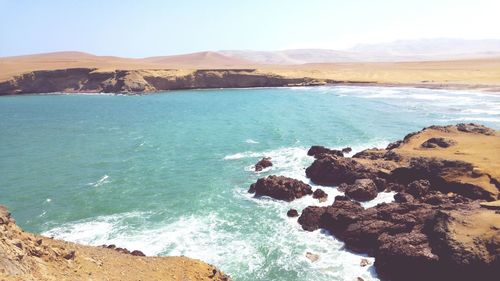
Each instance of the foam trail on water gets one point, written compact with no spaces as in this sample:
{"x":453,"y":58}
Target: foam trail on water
{"x":100,"y":182}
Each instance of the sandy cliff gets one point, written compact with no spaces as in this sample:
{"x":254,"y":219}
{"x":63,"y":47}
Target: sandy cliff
{"x":25,"y":256}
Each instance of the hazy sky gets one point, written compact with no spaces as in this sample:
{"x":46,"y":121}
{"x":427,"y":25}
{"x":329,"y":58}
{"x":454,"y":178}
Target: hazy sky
{"x":148,"y":27}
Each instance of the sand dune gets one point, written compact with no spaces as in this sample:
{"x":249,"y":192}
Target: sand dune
{"x":470,"y":73}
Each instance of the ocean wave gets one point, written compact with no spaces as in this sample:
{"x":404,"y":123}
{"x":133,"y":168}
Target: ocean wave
{"x":251,"y":141}
{"x":101,"y":181}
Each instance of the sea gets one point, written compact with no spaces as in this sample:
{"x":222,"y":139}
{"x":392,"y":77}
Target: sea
{"x":168,"y":173}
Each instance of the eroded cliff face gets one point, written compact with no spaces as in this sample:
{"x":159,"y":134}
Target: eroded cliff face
{"x":131,"y":81}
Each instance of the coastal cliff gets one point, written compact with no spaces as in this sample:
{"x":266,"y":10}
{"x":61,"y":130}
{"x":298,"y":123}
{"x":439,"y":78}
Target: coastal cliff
{"x":139,"y":81}
{"x":26,"y":256}
{"x":444,"y":223}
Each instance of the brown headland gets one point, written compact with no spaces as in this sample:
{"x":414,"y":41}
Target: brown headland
{"x":51,"y":72}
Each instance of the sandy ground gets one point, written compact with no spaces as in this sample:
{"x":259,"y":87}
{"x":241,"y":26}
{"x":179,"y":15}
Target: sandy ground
{"x":468,"y":74}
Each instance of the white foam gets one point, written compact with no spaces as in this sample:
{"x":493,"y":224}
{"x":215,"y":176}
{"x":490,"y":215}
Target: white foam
{"x":100,"y":182}
{"x":251,"y":141}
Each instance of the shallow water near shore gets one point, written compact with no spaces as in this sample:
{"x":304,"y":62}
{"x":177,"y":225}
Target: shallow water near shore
{"x":168,"y":173}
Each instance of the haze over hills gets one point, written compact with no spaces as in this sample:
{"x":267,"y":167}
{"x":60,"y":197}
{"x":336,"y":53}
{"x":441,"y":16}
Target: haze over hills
{"x":397,"y":51}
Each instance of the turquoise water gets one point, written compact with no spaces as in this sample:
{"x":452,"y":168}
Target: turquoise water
{"x":167,"y":173}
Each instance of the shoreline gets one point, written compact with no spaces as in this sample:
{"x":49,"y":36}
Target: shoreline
{"x":307,"y":82}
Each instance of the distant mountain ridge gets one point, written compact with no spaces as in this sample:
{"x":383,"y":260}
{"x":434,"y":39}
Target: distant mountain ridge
{"x":397,"y":51}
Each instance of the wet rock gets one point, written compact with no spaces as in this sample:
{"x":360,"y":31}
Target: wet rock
{"x":263,"y":163}
{"x":310,"y":217}
{"x":292,"y":213}
{"x":346,"y":150}
{"x":362,"y":190}
{"x":332,"y":171}
{"x":320,"y":151}
{"x":281,"y":188}
{"x":437,"y":142}
{"x":312,"y":257}
{"x":320,"y":195}
{"x":364,"y":262}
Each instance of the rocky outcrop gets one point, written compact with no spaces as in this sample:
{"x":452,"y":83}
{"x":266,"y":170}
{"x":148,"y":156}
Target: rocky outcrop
{"x":25,"y":256}
{"x":320,"y":194}
{"x":139,"y":81}
{"x":362,"y":190}
{"x":280,"y":187}
{"x":292,"y":213}
{"x":263,"y":163}
{"x":320,"y":151}
{"x":439,"y":227}
{"x":438,"y":142}
{"x":331,"y":170}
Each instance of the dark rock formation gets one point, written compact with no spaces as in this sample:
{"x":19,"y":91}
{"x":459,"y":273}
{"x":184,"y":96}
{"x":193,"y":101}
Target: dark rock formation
{"x":331,"y":170}
{"x":346,"y":150}
{"x":263,"y":163}
{"x":418,"y":188}
{"x":437,"y":142}
{"x":292,"y":213}
{"x":320,"y":195}
{"x":362,"y":190}
{"x":280,"y":187}
{"x":132,"y":81}
{"x":443,"y":175}
{"x":320,"y":151}
{"x":475,"y":128}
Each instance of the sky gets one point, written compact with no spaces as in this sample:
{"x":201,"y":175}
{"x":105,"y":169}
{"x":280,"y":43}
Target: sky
{"x":153,"y":27}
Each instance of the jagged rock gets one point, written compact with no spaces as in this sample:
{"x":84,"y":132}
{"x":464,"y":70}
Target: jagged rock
{"x":263,"y":163}
{"x":320,"y":195}
{"x":320,"y":151}
{"x":364,"y":262}
{"x":443,"y":175}
{"x":418,"y":188}
{"x":292,"y":213}
{"x":331,"y":170}
{"x":402,"y":197}
{"x":437,"y":142}
{"x":362,"y":190}
{"x":346,"y":150}
{"x":280,"y":187}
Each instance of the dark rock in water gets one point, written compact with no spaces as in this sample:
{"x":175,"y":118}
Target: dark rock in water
{"x":418,"y":188}
{"x":319,"y":151}
{"x":280,"y":187}
{"x":364,"y":262}
{"x":310,"y":217}
{"x":331,"y":171}
{"x":263,"y":163}
{"x":320,"y":195}
{"x":362,"y":190}
{"x":292,"y":213}
{"x":475,"y":128}
{"x":438,"y":142}
{"x":346,"y":149}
